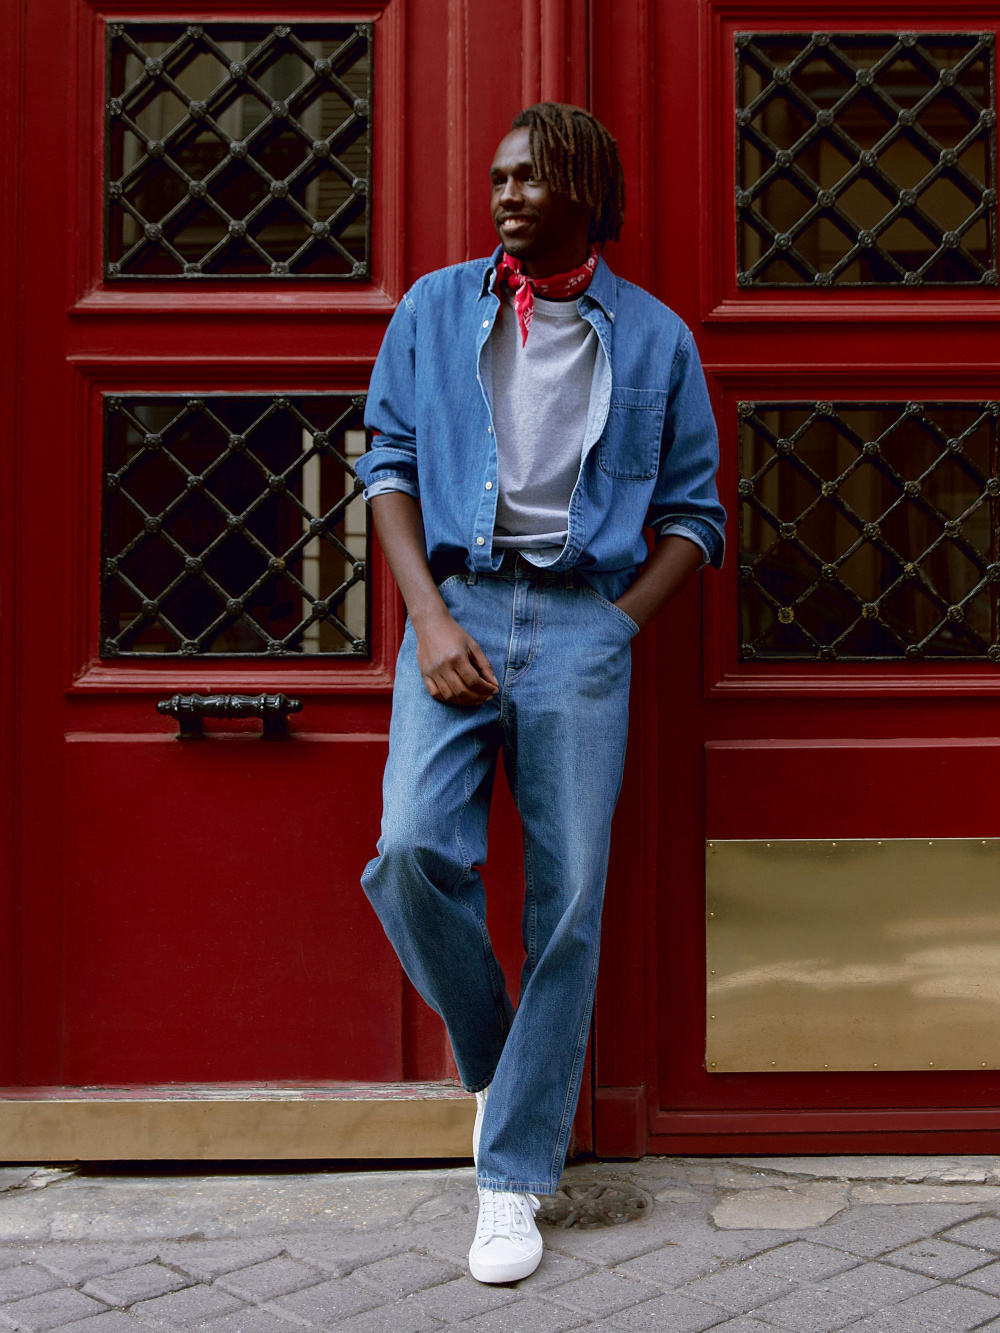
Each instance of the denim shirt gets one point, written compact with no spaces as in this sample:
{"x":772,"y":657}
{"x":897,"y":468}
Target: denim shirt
{"x":650,"y":448}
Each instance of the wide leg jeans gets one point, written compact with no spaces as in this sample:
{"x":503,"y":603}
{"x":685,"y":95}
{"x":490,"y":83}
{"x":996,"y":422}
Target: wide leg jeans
{"x":562,"y":657}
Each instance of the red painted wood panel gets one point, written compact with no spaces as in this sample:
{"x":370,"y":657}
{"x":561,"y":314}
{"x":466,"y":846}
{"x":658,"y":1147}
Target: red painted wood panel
{"x":212,"y":915}
{"x":905,"y":787}
{"x":756,"y":749}
{"x":194,"y":912}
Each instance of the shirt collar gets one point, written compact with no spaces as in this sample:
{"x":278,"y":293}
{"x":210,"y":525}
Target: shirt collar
{"x":600,"y":289}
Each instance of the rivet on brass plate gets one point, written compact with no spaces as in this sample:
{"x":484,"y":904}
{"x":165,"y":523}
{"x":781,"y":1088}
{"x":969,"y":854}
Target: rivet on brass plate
{"x":875,"y":1065}
{"x":711,"y":1015}
{"x":931,"y":1063}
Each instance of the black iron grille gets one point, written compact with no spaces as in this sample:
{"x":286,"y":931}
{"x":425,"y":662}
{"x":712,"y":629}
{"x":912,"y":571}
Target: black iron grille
{"x":238,"y":150}
{"x":233,"y":526}
{"x":869,"y":531}
{"x":866,"y":159}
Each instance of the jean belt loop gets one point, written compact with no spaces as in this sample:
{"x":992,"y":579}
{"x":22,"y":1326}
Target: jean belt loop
{"x":471,"y":578}
{"x":570,"y":580}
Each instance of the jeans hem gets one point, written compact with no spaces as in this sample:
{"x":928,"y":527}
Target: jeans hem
{"x":516,"y":1186}
{"x":479,"y":1087}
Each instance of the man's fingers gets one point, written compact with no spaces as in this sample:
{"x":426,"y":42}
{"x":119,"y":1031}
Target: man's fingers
{"x":472,"y":680}
{"x":448,"y":687}
{"x":482,"y":664}
{"x":460,"y":693}
{"x":461,"y":677}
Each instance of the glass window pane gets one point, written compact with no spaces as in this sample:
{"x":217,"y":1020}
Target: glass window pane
{"x":866,"y":160}
{"x":869,"y":531}
{"x":238,"y":150}
{"x":234,"y":526}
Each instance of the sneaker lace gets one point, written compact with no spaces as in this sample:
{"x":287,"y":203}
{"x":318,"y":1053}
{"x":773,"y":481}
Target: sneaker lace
{"x":502,"y":1213}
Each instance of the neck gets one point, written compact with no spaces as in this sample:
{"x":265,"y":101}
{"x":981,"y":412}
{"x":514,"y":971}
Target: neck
{"x":563,"y":261}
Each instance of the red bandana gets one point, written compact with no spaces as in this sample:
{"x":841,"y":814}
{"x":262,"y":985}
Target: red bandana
{"x":557,"y":288}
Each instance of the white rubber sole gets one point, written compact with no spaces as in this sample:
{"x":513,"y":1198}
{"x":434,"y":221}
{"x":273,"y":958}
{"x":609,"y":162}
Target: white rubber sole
{"x":513,"y":1271}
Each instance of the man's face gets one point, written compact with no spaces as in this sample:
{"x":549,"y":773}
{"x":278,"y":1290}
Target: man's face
{"x":534,"y":222}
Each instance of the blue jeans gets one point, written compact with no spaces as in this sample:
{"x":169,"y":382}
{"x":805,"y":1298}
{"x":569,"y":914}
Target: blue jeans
{"x":561,"y":654}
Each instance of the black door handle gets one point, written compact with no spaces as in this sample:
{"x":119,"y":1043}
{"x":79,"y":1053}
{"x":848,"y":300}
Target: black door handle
{"x":190,"y":709}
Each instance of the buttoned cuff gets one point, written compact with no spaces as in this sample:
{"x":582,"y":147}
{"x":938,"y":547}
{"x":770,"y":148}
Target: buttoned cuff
{"x":393,"y":482}
{"x":704,"y":534}
{"x":678,"y":530}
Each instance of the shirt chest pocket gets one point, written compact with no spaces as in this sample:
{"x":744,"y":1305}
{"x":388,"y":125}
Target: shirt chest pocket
{"x":629,"y":449}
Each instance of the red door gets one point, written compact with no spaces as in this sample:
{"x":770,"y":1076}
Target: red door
{"x":814,"y":958}
{"x":197,"y":284}
{"x":199,"y":280}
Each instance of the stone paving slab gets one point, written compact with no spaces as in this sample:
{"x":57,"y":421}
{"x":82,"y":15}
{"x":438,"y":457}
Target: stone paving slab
{"x":324,"y":1304}
{"x":747,"y":1245}
{"x":192,"y":1305}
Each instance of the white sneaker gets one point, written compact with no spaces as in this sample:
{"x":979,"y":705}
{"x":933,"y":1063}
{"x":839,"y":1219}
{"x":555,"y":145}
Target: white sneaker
{"x":477,"y":1128}
{"x":508,"y":1246}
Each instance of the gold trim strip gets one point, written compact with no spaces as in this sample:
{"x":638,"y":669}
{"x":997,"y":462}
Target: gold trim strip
{"x":78,"y":1129}
{"x":853,"y":954}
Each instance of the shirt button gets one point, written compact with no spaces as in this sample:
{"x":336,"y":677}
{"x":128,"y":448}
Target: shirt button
{"x":486,"y":323}
{"x":489,"y":430}
{"x":489,"y":485}
{"x":480,"y":541}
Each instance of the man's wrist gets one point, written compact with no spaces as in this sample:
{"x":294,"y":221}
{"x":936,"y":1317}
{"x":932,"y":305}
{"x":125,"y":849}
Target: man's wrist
{"x":426,"y":613}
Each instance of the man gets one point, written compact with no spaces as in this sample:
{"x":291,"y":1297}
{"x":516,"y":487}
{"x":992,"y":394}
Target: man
{"x":532,"y":413}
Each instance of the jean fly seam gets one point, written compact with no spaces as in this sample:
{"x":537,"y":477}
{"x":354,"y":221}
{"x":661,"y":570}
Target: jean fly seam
{"x":562,"y":1141}
{"x":514,"y":676}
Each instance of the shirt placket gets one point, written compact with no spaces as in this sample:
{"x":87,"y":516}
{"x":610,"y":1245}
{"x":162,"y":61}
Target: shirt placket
{"x":481,"y":552}
{"x":575,"y":531}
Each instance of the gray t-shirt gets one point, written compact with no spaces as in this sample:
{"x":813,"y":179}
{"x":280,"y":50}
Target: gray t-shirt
{"x":541,"y":396}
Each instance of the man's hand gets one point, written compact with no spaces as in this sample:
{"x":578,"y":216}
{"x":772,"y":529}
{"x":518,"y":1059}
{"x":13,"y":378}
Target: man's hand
{"x":673,"y":561}
{"x":455,"y":669}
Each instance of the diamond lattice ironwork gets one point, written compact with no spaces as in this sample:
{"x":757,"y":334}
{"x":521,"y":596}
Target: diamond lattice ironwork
{"x":866,"y":159}
{"x":233,"y":526}
{"x":869,"y":531}
{"x":238,"y":150}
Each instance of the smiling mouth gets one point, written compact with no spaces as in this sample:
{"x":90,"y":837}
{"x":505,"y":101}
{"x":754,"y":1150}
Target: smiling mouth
{"x":516,"y":223}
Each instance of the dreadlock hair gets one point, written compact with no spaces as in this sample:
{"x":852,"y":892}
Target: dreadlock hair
{"x":577,"y":156}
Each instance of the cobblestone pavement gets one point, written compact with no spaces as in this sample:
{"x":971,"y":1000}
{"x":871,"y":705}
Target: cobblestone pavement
{"x":737,"y":1245}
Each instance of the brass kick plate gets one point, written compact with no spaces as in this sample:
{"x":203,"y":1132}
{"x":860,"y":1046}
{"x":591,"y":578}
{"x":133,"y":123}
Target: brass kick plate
{"x":853,"y":955}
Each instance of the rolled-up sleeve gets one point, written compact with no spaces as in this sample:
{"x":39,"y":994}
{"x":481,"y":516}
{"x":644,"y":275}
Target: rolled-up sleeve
{"x":390,"y":413}
{"x":685,"y":500}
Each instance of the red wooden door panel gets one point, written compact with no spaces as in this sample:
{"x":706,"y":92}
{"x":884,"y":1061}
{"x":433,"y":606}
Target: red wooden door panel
{"x":812,"y":745}
{"x":191,"y":911}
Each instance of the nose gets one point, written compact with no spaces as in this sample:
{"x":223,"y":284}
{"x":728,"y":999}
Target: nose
{"x":510,"y":195}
